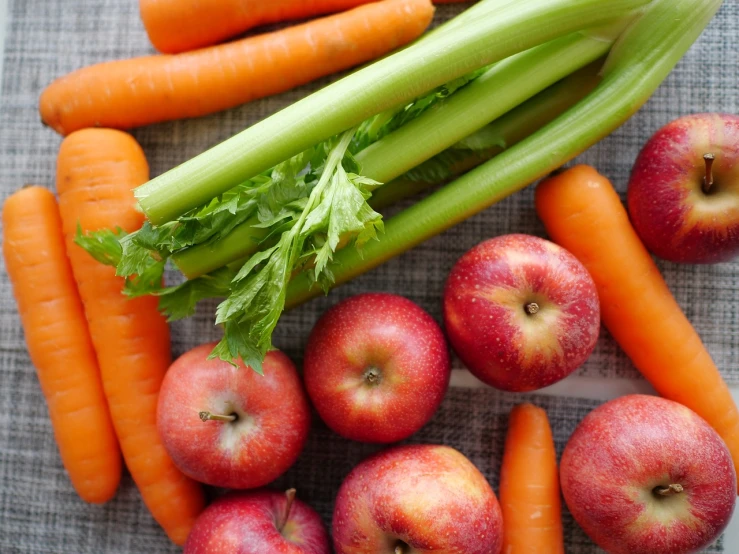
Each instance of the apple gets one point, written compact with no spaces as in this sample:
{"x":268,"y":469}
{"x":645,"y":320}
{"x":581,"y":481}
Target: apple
{"x":376,"y":368}
{"x":414,"y":499}
{"x":646,"y":475}
{"x":258,"y":522}
{"x":683,"y":194}
{"x":229,"y":426}
{"x":521,"y":312}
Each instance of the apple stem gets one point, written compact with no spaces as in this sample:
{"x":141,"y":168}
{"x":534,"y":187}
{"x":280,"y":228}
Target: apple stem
{"x":670,"y":490}
{"x":372,"y":376}
{"x":531,"y":308}
{"x":207,"y":416}
{"x":290,"y":495}
{"x":399,"y":549}
{"x":708,"y":179}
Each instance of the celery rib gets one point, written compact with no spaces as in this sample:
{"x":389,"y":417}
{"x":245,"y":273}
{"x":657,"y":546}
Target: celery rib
{"x":503,"y":133}
{"x":503,"y":87}
{"x":390,"y":82}
{"x":640,"y":61}
{"x":500,"y":89}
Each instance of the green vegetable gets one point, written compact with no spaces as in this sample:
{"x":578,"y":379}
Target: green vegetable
{"x":336,"y":207}
{"x":423,"y":129}
{"x":638,"y":63}
{"x":492,"y":139}
{"x":494,"y":93}
{"x":384,"y":85}
{"x":180,"y":301}
{"x":501,"y":88}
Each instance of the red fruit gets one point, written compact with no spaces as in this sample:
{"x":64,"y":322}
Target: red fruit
{"x":677,"y":215}
{"x":418,"y":498}
{"x":270,"y":414}
{"x":521,"y":312}
{"x":645,"y":475}
{"x":376,"y":368}
{"x":258,"y":523}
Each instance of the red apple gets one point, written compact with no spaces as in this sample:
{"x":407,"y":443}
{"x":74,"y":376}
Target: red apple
{"x":645,"y":475}
{"x":521,"y":312}
{"x":376,"y":368}
{"x":413,"y":499}
{"x":229,"y":426}
{"x":258,"y":523}
{"x":684,"y":190}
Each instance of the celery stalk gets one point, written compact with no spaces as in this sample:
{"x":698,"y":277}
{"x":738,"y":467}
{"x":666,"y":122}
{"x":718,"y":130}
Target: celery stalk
{"x":501,"y":134}
{"x":639,"y":62}
{"x":390,"y":82}
{"x":504,"y":86}
{"x":500,"y":89}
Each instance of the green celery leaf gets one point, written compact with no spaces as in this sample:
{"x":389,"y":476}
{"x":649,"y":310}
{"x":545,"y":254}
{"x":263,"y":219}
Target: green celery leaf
{"x":102,"y":245}
{"x":179,"y":302}
{"x":254,"y":261}
{"x":315,"y":221}
{"x":343,"y":212}
{"x":148,"y":282}
{"x":236,"y":344}
{"x":142,"y":271}
{"x":295,"y":168}
{"x":217,"y":219}
{"x":134,"y":260}
{"x":257,"y":298}
{"x":153,"y":238}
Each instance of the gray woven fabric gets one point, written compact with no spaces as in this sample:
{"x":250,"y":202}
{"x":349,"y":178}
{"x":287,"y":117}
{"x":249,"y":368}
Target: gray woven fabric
{"x":39,"y":512}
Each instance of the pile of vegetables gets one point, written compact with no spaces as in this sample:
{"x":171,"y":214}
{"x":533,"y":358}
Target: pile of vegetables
{"x":281,"y":211}
{"x":484,"y":105}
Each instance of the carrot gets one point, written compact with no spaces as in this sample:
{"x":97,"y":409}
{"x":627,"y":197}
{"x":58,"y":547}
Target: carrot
{"x":529,"y":485}
{"x":59,"y":342}
{"x":96,"y":171}
{"x":179,"y":25}
{"x":129,"y":93}
{"x":583,"y":213}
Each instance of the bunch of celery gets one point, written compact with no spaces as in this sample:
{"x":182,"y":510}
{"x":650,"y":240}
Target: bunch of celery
{"x":283,"y":210}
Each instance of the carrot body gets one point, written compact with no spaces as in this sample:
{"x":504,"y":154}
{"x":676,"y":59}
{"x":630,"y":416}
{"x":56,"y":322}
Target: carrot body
{"x":529,"y":486}
{"x":583,"y":213}
{"x":96,"y":170}
{"x":59,"y":342}
{"x":129,"y":93}
{"x":179,"y":25}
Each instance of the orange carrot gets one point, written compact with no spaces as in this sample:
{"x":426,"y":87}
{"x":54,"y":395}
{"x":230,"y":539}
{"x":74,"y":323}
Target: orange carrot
{"x":129,"y":93}
{"x":96,"y":172}
{"x":180,"y":25}
{"x":583,"y":213}
{"x":59,"y":342}
{"x":529,"y":486}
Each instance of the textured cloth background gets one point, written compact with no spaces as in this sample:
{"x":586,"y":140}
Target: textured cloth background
{"x":39,"y":511}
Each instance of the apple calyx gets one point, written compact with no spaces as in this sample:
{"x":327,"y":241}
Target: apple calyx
{"x":708,"y":179}
{"x":532,"y":308}
{"x":290,"y":495}
{"x":372,"y":376}
{"x":207,"y":416}
{"x":669,"y":490}
{"x":400,"y":548}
